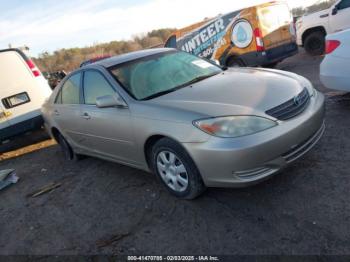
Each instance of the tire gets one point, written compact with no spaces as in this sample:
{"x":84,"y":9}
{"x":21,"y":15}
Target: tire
{"x":168,"y":170}
{"x":235,"y":62}
{"x":272,"y":65}
{"x":67,"y":150}
{"x":314,"y":43}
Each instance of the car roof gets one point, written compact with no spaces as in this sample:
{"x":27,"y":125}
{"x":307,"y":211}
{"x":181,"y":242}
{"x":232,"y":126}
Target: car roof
{"x":119,"y":59}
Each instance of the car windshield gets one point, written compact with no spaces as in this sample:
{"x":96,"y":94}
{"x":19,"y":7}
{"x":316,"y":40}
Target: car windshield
{"x":159,"y":74}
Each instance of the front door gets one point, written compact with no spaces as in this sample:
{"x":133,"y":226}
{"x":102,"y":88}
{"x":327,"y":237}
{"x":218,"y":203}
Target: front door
{"x":341,"y":19}
{"x":107,"y":131}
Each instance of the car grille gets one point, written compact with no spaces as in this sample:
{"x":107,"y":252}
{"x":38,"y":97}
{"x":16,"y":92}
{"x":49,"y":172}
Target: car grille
{"x":292,"y":107}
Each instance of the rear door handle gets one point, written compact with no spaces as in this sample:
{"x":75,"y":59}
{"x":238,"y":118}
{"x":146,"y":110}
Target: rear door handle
{"x":86,"y":116}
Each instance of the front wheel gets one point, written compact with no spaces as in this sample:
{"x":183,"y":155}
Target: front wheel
{"x":315,"y":43}
{"x":176,"y":170}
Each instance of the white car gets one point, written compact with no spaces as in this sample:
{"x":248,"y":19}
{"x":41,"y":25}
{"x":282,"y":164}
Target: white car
{"x":335,"y":68}
{"x":23,"y":90}
{"x":312,"y":28}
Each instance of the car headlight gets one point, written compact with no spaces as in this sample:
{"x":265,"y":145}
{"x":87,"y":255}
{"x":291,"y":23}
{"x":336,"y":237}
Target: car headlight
{"x":234,"y":126}
{"x":314,"y":92}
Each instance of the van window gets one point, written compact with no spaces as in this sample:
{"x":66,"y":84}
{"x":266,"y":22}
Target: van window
{"x":274,"y":16}
{"x":344,"y":4}
{"x":95,"y":85}
{"x":69,"y":93}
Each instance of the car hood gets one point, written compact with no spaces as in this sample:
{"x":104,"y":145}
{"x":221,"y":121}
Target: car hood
{"x":244,"y":91}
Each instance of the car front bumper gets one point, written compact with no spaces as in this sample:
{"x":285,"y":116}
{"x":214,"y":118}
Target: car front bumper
{"x":240,"y":162}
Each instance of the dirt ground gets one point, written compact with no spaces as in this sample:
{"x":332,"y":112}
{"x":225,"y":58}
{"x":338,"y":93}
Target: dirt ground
{"x":106,"y":208}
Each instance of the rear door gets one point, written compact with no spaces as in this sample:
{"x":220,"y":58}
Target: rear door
{"x":66,"y":110}
{"x":341,"y":20}
{"x":19,"y":88}
{"x":276,"y":24}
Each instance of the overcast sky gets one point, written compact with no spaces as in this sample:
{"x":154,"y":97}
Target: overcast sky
{"x":47,"y":25}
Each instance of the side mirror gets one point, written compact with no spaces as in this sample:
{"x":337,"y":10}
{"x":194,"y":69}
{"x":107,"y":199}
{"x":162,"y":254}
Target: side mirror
{"x":335,"y":10}
{"x":110,"y":101}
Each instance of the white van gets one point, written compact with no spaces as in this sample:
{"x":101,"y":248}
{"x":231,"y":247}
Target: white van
{"x":23,"y":90}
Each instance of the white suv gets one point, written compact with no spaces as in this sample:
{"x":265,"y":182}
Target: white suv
{"x":312,"y":28}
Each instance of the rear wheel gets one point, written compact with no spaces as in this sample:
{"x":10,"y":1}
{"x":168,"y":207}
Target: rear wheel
{"x":315,"y":43}
{"x":235,"y":62}
{"x":272,"y":65}
{"x":176,"y":170}
{"x":67,"y":150}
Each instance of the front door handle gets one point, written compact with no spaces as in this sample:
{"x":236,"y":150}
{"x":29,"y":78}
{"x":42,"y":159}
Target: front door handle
{"x":86,"y":116}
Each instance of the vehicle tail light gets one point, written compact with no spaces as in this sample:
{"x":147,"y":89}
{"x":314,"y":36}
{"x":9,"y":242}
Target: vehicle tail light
{"x":33,"y":68}
{"x":259,"y":40}
{"x":331,"y":45}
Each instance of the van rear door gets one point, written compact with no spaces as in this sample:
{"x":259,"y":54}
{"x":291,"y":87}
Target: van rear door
{"x":20,"y":92}
{"x":276,"y":24}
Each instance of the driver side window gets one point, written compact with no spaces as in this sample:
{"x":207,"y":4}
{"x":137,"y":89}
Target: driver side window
{"x":95,"y":85}
{"x":343,"y":4}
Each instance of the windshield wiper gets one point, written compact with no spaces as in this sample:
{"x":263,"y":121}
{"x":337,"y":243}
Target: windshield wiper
{"x":161,"y":93}
{"x":194,"y":80}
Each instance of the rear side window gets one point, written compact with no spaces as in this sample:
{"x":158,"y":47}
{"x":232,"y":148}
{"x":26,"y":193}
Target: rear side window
{"x":95,"y":85}
{"x":274,"y":16}
{"x":69,"y":93}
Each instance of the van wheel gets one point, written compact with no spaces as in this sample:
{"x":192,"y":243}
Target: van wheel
{"x":315,"y":43}
{"x":272,"y":65}
{"x":67,"y":150}
{"x":176,"y":169}
{"x":235,"y":62}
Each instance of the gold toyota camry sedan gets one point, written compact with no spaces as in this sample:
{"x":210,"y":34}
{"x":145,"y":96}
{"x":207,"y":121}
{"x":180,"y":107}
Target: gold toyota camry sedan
{"x":190,"y":122}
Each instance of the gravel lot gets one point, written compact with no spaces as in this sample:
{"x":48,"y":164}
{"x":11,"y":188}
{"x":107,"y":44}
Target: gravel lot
{"x":106,"y":208}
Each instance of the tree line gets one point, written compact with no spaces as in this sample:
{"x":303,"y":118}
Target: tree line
{"x":70,"y":59}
